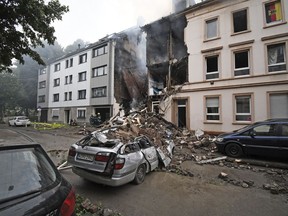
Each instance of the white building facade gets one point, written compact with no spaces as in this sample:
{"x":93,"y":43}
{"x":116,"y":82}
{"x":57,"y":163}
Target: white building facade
{"x":237,"y":65}
{"x":78,"y":85}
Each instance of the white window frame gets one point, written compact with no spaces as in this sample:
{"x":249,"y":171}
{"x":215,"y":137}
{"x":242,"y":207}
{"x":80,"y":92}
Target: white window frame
{"x":250,"y":113}
{"x":284,"y":63}
{"x":249,"y":68}
{"x":99,"y":92}
{"x":267,"y":24}
{"x":82,"y":76}
{"x":216,"y":19}
{"x":81,"y":113}
{"x":96,"y":71}
{"x":57,"y":67}
{"x":82,"y":94}
{"x":82,"y":58}
{"x":214,"y":72}
{"x":207,"y":113}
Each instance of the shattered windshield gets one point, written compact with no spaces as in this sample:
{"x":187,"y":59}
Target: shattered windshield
{"x":98,"y":140}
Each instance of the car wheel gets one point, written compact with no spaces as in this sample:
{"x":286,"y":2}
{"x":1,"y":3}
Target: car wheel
{"x":140,"y":174}
{"x":233,"y":150}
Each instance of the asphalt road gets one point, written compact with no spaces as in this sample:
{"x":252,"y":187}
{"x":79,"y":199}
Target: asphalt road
{"x":165,"y":193}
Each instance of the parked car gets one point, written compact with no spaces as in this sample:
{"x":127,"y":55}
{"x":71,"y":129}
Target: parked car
{"x":19,"y":121}
{"x":30,"y":184}
{"x":112,"y":162}
{"x":267,"y":138}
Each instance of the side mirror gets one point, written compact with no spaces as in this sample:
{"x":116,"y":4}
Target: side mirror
{"x":252,"y":133}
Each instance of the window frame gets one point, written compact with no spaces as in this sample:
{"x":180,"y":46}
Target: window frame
{"x":217,"y":36}
{"x":206,"y":113}
{"x":42,"y":84}
{"x":81,"y":76}
{"x":56,"y":97}
{"x":43,"y":71}
{"x":269,"y":94}
{"x":56,"y":82}
{"x":247,"y":19}
{"x":57,"y":67}
{"x":95,"y":51}
{"x":251,"y":107}
{"x":81,"y":95}
{"x":215,"y":54}
{"x":234,"y":69}
{"x":83,"y":58}
{"x":81,"y":113}
{"x":277,"y":22}
{"x":102,"y":88}
{"x":69,"y":63}
{"x":95,"y":71}
{"x":41,"y":99}
{"x":285,"y":57}
{"x":55,"y":113}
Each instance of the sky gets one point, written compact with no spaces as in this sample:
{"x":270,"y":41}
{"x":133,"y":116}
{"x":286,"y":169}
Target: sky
{"x":91,"y":20}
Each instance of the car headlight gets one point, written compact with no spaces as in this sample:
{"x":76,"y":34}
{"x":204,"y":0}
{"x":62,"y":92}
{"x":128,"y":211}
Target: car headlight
{"x":219,"y":139}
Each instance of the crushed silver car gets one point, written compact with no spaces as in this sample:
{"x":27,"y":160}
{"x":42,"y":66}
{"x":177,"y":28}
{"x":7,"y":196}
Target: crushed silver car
{"x":112,"y":162}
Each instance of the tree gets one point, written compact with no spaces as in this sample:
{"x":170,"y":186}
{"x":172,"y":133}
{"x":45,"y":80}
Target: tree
{"x":9,"y":88}
{"x":24,"y":24}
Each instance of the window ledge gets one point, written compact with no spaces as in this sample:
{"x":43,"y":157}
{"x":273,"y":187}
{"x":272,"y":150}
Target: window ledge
{"x":242,"y":32}
{"x":212,"y":39}
{"x":276,"y":24}
{"x":213,"y":122}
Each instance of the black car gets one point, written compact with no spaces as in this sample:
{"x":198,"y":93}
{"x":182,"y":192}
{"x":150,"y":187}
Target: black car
{"x":30,"y":184}
{"x":266,"y":138}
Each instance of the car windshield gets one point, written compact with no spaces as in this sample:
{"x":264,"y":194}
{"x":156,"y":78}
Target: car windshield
{"x":23,"y":118}
{"x":24,"y":171}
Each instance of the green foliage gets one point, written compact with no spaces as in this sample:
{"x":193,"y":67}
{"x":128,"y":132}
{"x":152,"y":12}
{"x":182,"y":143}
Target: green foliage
{"x":47,"y":126}
{"x":23,"y":26}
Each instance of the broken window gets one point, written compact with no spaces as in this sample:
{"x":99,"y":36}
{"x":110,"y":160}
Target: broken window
{"x":241,"y":63}
{"x":212,"y":109}
{"x":276,"y":57}
{"x":273,"y":12}
{"x":243,"y":108}
{"x":212,"y":67}
{"x":278,"y":105}
{"x":240,"y":21}
{"x":211,"y":28}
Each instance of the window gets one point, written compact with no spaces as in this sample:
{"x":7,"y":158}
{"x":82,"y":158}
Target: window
{"x":41,"y":98}
{"x":43,"y":71}
{"x":82,"y":94}
{"x":57,"y":67}
{"x":243,"y":108}
{"x":273,"y":12}
{"x":284,"y":130}
{"x":55,"y":97}
{"x":99,"y":71}
{"x":212,"y":67}
{"x":67,"y":96}
{"x":278,"y":105}
{"x":42,"y":84}
{"x":56,"y":82}
{"x":212,"y":28}
{"x":276,"y":57}
{"x":82,"y":76}
{"x":241,"y":63}
{"x":240,"y":22}
{"x":99,"y":92}
{"x":83,"y":58}
{"x":100,"y":51}
{"x":68,"y":79}
{"x":69,"y":63}
{"x":55,"y":113}
{"x":265,"y":130}
{"x":212,"y":109}
{"x":81,"y":113}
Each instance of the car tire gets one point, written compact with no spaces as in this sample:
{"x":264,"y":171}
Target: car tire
{"x":140,"y":174}
{"x":233,"y":150}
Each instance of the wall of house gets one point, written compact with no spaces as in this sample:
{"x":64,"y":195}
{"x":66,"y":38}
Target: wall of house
{"x":259,"y":83}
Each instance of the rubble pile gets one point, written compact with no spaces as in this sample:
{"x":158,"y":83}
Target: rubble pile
{"x":170,"y":139}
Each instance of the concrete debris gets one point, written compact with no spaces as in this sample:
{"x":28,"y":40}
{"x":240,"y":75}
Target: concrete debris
{"x":212,"y":160}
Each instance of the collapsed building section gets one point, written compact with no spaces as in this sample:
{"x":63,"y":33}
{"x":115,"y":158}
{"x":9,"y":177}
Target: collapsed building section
{"x":166,"y":56}
{"x":130,"y":74}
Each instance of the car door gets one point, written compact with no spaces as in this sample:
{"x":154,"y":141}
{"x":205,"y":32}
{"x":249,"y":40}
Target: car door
{"x":133,"y":157}
{"x":263,"y":140}
{"x":149,"y":152}
{"x":283,"y":139}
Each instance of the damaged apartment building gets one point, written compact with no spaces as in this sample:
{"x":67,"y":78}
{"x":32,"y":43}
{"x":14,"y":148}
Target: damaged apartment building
{"x":235,"y":72}
{"x":101,"y":78}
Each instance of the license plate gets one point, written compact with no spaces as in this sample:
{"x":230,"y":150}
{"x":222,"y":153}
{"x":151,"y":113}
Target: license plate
{"x":86,"y":157}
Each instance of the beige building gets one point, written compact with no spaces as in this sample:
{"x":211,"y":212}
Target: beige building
{"x":237,"y":65}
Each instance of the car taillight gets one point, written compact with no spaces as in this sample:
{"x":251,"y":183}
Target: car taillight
{"x":68,"y":205}
{"x":72,"y":152}
{"x":119,"y":163}
{"x":102,"y":156}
